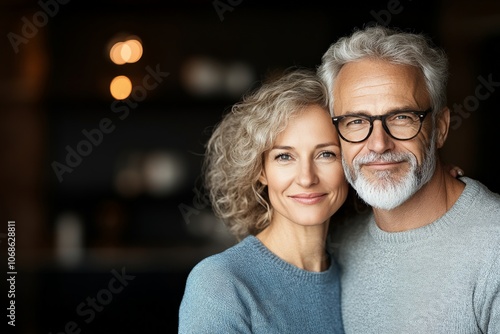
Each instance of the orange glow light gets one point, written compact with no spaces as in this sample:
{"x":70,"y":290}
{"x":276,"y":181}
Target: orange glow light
{"x":116,"y":54}
{"x":129,"y":51}
{"x":120,"y":87}
{"x":133,"y":47}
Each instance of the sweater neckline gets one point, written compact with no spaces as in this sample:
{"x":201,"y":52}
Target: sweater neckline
{"x":280,"y":264}
{"x":449,"y":219}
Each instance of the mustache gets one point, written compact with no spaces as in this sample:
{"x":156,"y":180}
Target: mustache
{"x":383,"y":157}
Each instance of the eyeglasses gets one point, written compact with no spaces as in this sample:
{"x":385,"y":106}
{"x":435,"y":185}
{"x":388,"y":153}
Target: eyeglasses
{"x":400,"y":125}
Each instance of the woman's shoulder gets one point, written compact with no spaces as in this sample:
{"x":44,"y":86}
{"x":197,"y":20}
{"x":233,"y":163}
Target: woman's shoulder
{"x":226,"y":264}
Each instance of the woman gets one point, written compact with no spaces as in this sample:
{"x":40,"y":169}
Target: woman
{"x":274,"y":175}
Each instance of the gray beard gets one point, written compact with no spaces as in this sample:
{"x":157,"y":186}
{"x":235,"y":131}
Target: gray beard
{"x":386,"y":192}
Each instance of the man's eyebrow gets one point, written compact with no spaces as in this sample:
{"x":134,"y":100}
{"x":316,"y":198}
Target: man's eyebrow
{"x":365,"y":113}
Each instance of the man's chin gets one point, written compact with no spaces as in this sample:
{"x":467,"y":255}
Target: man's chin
{"x":382,"y":200}
{"x":375,"y":182}
{"x":385,"y":194}
{"x":379,"y":177}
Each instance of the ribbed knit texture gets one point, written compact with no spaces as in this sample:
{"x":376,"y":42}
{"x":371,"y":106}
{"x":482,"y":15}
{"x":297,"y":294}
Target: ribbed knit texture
{"x":248,"y":289}
{"x":441,"y":278}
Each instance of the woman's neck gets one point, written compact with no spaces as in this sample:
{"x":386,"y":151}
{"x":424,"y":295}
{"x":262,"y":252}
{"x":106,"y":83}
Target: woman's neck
{"x":302,"y":246}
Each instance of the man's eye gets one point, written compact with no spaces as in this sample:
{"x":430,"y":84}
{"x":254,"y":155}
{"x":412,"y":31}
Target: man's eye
{"x":352,"y":121}
{"x":403,"y":119}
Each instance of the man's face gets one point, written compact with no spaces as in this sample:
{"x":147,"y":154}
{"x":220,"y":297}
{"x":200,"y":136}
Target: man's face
{"x":385,"y":171}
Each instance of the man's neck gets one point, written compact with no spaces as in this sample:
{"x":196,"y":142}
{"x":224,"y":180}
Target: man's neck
{"x":428,"y":204}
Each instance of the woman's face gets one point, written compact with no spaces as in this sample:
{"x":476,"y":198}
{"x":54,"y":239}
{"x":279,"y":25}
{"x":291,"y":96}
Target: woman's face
{"x":303,"y":170}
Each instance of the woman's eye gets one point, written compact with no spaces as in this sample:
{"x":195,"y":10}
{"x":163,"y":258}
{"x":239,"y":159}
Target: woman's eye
{"x":283,"y":157}
{"x":328,"y":155}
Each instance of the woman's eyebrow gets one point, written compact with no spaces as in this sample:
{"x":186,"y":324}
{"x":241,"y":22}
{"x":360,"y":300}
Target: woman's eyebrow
{"x":286,"y":147}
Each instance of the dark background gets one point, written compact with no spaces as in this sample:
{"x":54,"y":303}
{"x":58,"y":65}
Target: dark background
{"x":104,"y":216}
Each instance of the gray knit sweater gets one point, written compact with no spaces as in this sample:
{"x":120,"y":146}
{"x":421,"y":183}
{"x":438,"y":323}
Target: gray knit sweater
{"x":440,"y":278}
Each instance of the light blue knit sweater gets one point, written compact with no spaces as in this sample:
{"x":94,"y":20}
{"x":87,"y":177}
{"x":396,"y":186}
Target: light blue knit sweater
{"x":443,"y":278}
{"x":248,"y":289}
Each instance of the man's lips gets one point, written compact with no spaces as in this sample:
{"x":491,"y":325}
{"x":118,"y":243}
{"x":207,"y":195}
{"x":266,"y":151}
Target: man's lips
{"x":311,"y":198}
{"x":381,"y":165}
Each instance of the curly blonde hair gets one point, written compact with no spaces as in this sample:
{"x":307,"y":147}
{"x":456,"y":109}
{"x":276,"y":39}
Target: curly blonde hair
{"x":234,"y":153}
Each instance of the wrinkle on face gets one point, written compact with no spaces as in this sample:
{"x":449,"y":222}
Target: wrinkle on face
{"x":377,"y":87}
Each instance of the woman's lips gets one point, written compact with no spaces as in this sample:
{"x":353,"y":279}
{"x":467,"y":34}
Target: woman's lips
{"x":312,"y":198}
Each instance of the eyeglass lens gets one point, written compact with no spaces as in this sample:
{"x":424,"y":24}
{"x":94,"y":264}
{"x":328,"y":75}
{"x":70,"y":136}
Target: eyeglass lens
{"x":402,"y":125}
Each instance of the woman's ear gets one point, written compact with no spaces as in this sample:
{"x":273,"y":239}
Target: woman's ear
{"x":263,"y":177}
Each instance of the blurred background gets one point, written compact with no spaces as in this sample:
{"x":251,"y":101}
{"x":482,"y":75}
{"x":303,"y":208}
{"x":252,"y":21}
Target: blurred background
{"x":105,"y":107}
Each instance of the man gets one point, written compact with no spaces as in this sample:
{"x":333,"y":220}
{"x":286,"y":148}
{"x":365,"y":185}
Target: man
{"x":427,"y":257}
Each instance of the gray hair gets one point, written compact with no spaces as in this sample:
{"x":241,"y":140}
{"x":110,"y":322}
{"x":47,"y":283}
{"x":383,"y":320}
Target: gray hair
{"x":394,"y":46}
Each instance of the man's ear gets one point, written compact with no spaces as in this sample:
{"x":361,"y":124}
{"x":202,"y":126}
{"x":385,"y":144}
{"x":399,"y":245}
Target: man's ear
{"x":442,"y":127}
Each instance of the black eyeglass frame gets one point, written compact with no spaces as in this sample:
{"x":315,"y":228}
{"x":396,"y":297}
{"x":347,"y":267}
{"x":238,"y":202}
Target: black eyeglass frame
{"x":421,"y":116}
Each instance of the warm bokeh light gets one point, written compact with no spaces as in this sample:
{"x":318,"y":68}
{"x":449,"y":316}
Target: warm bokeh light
{"x":127,"y":51}
{"x":164,"y":172}
{"x":69,"y":238}
{"x":239,"y":78}
{"x":120,"y":87}
{"x":205,"y":76}
{"x":116,"y":53}
{"x":133,"y":50}
{"x":157,"y":173}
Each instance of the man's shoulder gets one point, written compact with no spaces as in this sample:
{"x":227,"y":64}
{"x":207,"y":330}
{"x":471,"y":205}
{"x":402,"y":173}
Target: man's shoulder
{"x":481,"y":201}
{"x":476,"y":216}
